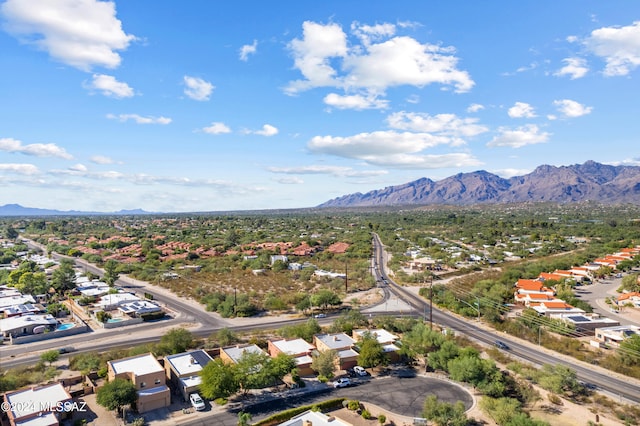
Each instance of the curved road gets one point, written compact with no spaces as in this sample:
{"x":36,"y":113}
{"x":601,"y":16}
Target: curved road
{"x":628,"y":389}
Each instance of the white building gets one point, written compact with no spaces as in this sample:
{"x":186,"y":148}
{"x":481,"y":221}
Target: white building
{"x":27,"y":324}
{"x":183,"y":370}
{"x":314,"y":418}
{"x":36,"y":406}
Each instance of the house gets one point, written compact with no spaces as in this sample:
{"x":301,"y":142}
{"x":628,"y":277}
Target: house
{"x":546,"y":276}
{"x":139,"y":307}
{"x":615,"y":335}
{"x":555,"y":307}
{"x":232,"y":354}
{"x":387,"y":341}
{"x":631,"y":297}
{"x":27,"y":324}
{"x":342,"y":344}
{"x":586,"y":323}
{"x":36,"y":406}
{"x":109,"y":302}
{"x":183,"y":370}
{"x":281,"y":257}
{"x":528,"y":298}
{"x":148,"y":376}
{"x":15,"y":300}
{"x":26,"y":309}
{"x":314,"y":418}
{"x":532,"y":286}
{"x":300,"y":349}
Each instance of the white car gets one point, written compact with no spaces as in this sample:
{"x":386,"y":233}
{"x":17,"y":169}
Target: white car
{"x":342,"y":383}
{"x":196,"y":402}
{"x":360,"y":371}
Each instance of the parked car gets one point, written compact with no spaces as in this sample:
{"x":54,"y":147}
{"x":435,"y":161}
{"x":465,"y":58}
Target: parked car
{"x":196,"y":402}
{"x":501,"y":345}
{"x":360,"y":371}
{"x":342,"y":382}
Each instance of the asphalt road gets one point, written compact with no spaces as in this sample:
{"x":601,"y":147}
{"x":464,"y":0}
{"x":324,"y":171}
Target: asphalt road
{"x":403,"y":396}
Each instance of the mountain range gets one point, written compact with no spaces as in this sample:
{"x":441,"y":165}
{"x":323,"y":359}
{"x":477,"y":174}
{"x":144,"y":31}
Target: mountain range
{"x":18,"y":210}
{"x":590,"y":181}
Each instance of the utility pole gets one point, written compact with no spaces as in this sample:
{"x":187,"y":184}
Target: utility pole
{"x":346,"y":278}
{"x":431,"y":302}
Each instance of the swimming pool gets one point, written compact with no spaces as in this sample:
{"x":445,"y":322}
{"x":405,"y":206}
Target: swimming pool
{"x":112,"y":320}
{"x":66,"y":326}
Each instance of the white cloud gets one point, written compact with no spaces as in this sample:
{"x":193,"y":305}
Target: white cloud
{"x":35,"y":149}
{"x":618,"y":46}
{"x":139,"y":119}
{"x":508,"y":173}
{"x":326,"y":59}
{"x":197,"y":88}
{"x":109,"y":86}
{"x":79,"y":33}
{"x":267,"y":130}
{"x":572,"y":109}
{"x":357,"y":102}
{"x":336,"y":171}
{"x":21,"y":169}
{"x":443,"y":124}
{"x":517,"y":138}
{"x":521,"y":110}
{"x":217,"y":128}
{"x":101,"y":159}
{"x":248,"y":49}
{"x":475,"y":108}
{"x":79,"y":168}
{"x":369,"y":33}
{"x":290,"y":180}
{"x":431,"y":161}
{"x":574,"y":67}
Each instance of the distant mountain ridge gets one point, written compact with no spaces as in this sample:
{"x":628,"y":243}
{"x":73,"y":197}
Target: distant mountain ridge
{"x":590,"y":181}
{"x":18,"y":210}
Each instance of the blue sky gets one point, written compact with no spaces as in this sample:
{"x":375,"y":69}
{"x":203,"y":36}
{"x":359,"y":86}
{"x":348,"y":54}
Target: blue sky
{"x":210,"y":106}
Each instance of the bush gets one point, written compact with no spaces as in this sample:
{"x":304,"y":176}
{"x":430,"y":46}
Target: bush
{"x":366,"y":414}
{"x":382,"y":419}
{"x":220,"y":401}
{"x":555,"y":399}
{"x":353,"y":405}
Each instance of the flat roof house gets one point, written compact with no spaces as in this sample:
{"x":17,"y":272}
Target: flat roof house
{"x":300,"y":349}
{"x":387,"y":341}
{"x":232,"y":354}
{"x":314,"y":418}
{"x":36,"y":406}
{"x":183,"y":370}
{"x":342,"y":344}
{"x":148,"y":376}
{"x":27,"y":324}
{"x":615,"y":335}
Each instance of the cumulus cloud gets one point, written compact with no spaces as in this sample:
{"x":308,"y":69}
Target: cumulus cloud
{"x":574,"y":68}
{"x":357,"y":102}
{"x":509,"y":173}
{"x":442,"y":124}
{"x":101,"y":159}
{"x":248,"y":49}
{"x":217,"y":128}
{"x":521,"y":110}
{"x":290,"y":180}
{"x":21,"y":169}
{"x":139,"y":119}
{"x":267,"y":130}
{"x":572,"y":109}
{"x":197,"y":88}
{"x":391,"y":149}
{"x":519,"y":137}
{"x":336,"y":171}
{"x":109,"y":86}
{"x":80,"y":33}
{"x":35,"y":149}
{"x":619,"y":47}
{"x":475,"y":108}
{"x":374,"y":60}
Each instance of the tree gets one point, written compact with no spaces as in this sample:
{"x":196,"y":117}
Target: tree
{"x":325,"y":363}
{"x":325,"y":298}
{"x":244,"y":418}
{"x":176,"y":340}
{"x":252,"y":371}
{"x":371,"y":352}
{"x":439,"y":359}
{"x":226,"y":337}
{"x":32,"y":283}
{"x":110,"y":272}
{"x":421,"y":340}
{"x":218,"y":380}
{"x":63,"y":278}
{"x":444,"y":413}
{"x":116,"y":394}
{"x":629,"y":350}
{"x":50,"y":356}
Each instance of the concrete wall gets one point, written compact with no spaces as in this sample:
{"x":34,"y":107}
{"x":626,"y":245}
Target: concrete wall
{"x":78,"y":329}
